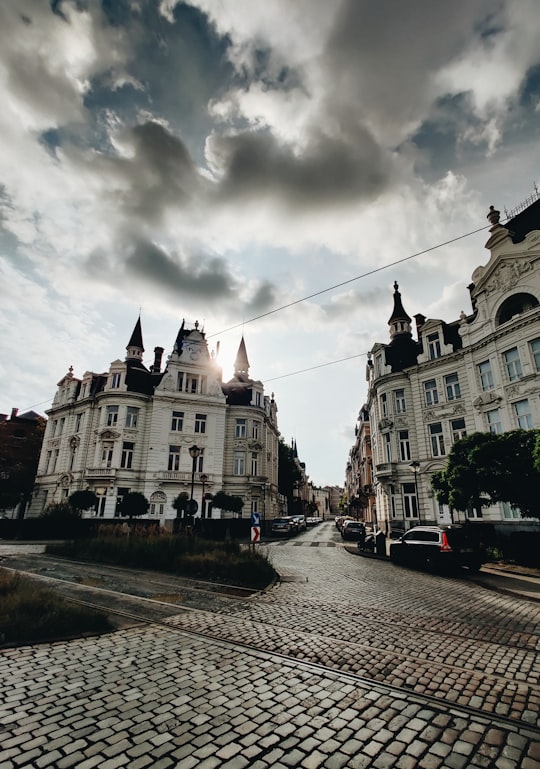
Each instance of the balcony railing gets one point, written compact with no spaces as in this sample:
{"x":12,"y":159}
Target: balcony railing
{"x":100,"y":472}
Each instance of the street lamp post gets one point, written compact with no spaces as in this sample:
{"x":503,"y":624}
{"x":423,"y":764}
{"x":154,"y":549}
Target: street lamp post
{"x":194,"y":452}
{"x":203,"y":478}
{"x":414,"y":467}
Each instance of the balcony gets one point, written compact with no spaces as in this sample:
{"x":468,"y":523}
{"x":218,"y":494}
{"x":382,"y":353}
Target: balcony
{"x":385,"y":470}
{"x":100,"y":472}
{"x":173,"y":476}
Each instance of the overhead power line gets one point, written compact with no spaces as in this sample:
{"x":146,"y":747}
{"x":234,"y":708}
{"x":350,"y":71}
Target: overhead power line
{"x":312,"y":368}
{"x":347,"y":282}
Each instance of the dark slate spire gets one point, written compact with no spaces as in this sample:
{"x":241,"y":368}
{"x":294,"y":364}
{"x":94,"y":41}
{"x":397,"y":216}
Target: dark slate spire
{"x":399,"y":321}
{"x":402,"y":351}
{"x":135,"y":347}
{"x":241,"y":364}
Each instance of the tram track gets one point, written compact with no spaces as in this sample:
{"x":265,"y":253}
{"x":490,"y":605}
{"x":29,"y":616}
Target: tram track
{"x":531,"y":731}
{"x":394,"y":670}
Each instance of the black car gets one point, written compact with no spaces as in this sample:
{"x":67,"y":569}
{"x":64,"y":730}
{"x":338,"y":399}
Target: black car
{"x":354,"y":530}
{"x":438,"y":547}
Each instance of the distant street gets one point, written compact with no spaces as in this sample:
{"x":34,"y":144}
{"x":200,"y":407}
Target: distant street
{"x":347,"y":662}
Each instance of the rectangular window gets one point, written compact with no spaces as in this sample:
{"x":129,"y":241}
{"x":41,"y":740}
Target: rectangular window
{"x":535,"y":349}
{"x":404,"y":446}
{"x":115,"y":380}
{"x":384,"y":405}
{"x":180,"y":383}
{"x":399,"y":401}
{"x":256,"y":430}
{"x":55,"y":460}
{"x":107,"y":455}
{"x":48,"y":464}
{"x":392,"y":500}
{"x":112,"y":416}
{"x":258,"y":399}
{"x":494,"y":423}
{"x":254,"y":463}
{"x":430,"y":392}
{"x":132,"y":416}
{"x":192,"y":382}
{"x":523,"y":414}
{"x":513,"y":364}
{"x":199,"y":462}
{"x":453,"y":392}
{"x":387,"y":438}
{"x":509,"y":512}
{"x":434,"y":346}
{"x":239,"y":463}
{"x":457,"y":428}
{"x":200,"y":423}
{"x":156,"y":508}
{"x":410,"y":503}
{"x":177,"y":421}
{"x":78,"y":421}
{"x":126,"y":459}
{"x":241,"y":428}
{"x":61,"y":425}
{"x":486,"y":375}
{"x":436,"y":438}
{"x":72,"y":454}
{"x":174,"y":458}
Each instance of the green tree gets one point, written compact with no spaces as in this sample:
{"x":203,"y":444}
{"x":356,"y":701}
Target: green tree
{"x":228,"y":502}
{"x":134,"y":504}
{"x":180,"y":505}
{"x":19,"y":457}
{"x":82,"y":500}
{"x":484,"y":468}
{"x":289,"y":475}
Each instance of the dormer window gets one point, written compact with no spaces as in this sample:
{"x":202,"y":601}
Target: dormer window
{"x":434,"y":346}
{"x":116,"y":378}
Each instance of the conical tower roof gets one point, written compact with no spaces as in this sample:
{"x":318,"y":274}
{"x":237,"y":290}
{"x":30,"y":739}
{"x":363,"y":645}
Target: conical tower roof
{"x":398,"y":312}
{"x":241,"y":364}
{"x":135,"y":347}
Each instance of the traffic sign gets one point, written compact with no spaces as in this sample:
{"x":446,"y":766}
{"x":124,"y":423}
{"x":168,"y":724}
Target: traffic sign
{"x":255,"y":534}
{"x":192,"y":506}
{"x":255,"y":519}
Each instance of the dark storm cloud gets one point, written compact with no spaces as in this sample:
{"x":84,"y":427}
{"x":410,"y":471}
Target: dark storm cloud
{"x":193,"y":276}
{"x":159,"y":175}
{"x":329,"y":170}
{"x":210,"y":279}
{"x":383,"y":55}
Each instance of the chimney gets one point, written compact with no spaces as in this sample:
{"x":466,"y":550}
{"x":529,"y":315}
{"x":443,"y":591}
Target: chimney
{"x":14,"y":413}
{"x":158,"y":352}
{"x":420,"y":320}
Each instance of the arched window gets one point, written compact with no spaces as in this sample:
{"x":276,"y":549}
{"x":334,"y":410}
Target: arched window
{"x":515,"y":305}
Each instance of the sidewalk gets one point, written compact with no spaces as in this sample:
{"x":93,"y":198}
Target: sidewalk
{"x":502,"y":577}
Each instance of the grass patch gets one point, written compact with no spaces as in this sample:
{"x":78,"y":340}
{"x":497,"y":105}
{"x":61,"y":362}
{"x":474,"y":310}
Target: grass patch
{"x":30,"y":613}
{"x":224,"y":562}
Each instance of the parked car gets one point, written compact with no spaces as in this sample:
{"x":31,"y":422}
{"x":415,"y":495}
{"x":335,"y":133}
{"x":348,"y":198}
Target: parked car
{"x":285,"y":526}
{"x":300,"y":522}
{"x":353,"y":530}
{"x":438,"y":547}
{"x":313,"y":521}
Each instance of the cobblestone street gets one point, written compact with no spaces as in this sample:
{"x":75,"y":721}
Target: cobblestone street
{"x":347,"y":662}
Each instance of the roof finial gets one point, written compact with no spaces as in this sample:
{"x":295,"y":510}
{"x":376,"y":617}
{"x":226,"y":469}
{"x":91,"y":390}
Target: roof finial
{"x":493,"y":215}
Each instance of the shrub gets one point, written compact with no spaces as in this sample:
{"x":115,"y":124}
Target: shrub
{"x":30,"y":613}
{"x":187,"y":556}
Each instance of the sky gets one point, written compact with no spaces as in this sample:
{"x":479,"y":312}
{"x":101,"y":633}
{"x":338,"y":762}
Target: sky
{"x":218,"y":160}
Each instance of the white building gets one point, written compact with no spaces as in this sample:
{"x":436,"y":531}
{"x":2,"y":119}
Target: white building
{"x":160,"y":432}
{"x":478,"y":373}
